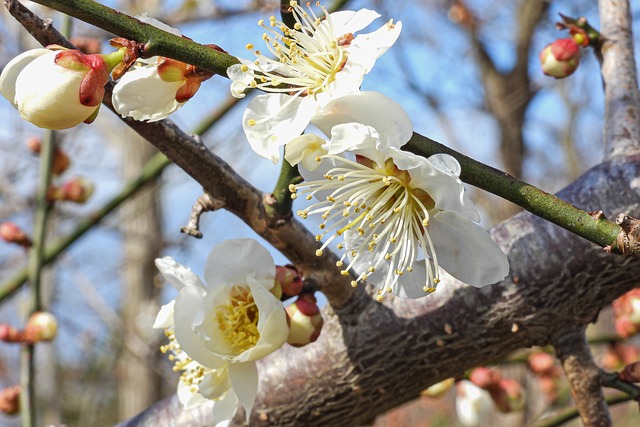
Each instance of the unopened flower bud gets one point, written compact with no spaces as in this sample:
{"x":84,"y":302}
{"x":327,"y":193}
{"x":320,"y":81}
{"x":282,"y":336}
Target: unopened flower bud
{"x":289,"y":279}
{"x":631,"y":373}
{"x":626,"y":310}
{"x":560,"y":58}
{"x":438,"y":389}
{"x":508,"y":395}
{"x":41,"y":326}
{"x":76,"y":190}
{"x":61,"y":160}
{"x":541,"y":363}
{"x":11,"y":233}
{"x":9,"y":334}
{"x":10,"y":400}
{"x":484,"y":378}
{"x":305,"y":321}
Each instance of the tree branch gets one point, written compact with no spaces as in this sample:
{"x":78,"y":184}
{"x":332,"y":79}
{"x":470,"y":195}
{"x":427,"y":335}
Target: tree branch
{"x":584,"y":378}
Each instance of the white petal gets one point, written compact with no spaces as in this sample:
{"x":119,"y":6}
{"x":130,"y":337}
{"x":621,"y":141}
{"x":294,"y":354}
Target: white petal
{"x":232,"y":261}
{"x":188,"y":398}
{"x":224,"y":409}
{"x":177,"y":274}
{"x":142,"y":95}
{"x":215,"y":383}
{"x":164,"y":319}
{"x":189,"y":310}
{"x":272,"y":325}
{"x":244,"y":378}
{"x":11,"y":71}
{"x":348,"y":21}
{"x":143,"y":17}
{"x":356,"y":138}
{"x":278,"y":119}
{"x":239,"y":80}
{"x":446,"y":163}
{"x":466,"y":251}
{"x":381,"y":39}
{"x":48,"y":95}
{"x":305,"y":149}
{"x":368,"y":108}
{"x":411,"y":285}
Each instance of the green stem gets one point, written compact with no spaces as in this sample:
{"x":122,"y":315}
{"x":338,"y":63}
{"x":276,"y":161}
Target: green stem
{"x":150,"y":171}
{"x":35,"y":265}
{"x":597,"y":230}
{"x":572,"y":413}
{"x":158,"y":42}
{"x":282,"y":202}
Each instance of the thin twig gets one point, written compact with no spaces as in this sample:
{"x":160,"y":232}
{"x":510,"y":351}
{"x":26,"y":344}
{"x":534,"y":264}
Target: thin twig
{"x":205,"y":203}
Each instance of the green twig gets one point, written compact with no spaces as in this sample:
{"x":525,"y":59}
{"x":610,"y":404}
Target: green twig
{"x":594,"y":228}
{"x":572,"y":413}
{"x":157,"y":41}
{"x":150,"y":171}
{"x":35,"y":265}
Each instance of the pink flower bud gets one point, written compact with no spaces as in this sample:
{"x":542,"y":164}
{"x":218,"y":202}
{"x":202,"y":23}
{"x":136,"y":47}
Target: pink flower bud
{"x":305,"y":321}
{"x":41,"y":326}
{"x":631,"y":373}
{"x":11,"y":233}
{"x":55,"y":89}
{"x":484,"y":378}
{"x":288,"y":277}
{"x":508,"y":395}
{"x":76,"y":190}
{"x":626,"y":310}
{"x":560,"y":58}
{"x":10,"y":400}
{"x":9,"y":334}
{"x":541,"y":363}
{"x":61,"y":160}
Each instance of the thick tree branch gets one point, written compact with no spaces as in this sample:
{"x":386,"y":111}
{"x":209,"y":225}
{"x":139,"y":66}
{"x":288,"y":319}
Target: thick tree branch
{"x":584,"y":378}
{"x":622,"y":98}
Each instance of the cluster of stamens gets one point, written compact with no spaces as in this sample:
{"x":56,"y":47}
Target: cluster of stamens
{"x":238,"y":320}
{"x":389,"y":217}
{"x":192,"y":372}
{"x":307,"y":56}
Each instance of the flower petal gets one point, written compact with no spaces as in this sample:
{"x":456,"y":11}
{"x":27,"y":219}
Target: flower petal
{"x":224,"y":409}
{"x":244,"y":379}
{"x":11,"y":71}
{"x":164,"y":319}
{"x":305,"y":149}
{"x":272,"y":120}
{"x":189,"y":311}
{"x":348,"y":21}
{"x":232,"y":261}
{"x":142,"y":95}
{"x":368,"y":108}
{"x":466,"y":251}
{"x":381,"y":39}
{"x":177,"y":274}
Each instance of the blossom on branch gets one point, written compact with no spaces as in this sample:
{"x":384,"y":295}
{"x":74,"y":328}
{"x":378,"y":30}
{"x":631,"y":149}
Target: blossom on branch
{"x":317,"y":60}
{"x":57,"y":89}
{"x":156,"y":87}
{"x":401,"y":216}
{"x":226,"y":324}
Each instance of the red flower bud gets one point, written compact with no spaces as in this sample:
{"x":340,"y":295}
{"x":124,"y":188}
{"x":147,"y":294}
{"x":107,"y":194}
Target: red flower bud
{"x":305,"y":321}
{"x":76,"y":190}
{"x":9,"y":334}
{"x":10,"y":400}
{"x":484,"y":378}
{"x":560,"y":58}
{"x":631,"y":373}
{"x":11,"y":233}
{"x":289,"y":279}
{"x":541,"y":363}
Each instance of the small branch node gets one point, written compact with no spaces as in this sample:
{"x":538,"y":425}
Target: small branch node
{"x":618,"y":382}
{"x":628,"y":242}
{"x":205,"y":203}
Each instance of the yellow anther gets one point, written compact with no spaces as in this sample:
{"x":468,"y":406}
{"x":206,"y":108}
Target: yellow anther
{"x":319,"y":252}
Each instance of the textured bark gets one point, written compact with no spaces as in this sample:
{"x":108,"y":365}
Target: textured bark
{"x":139,"y":382}
{"x":584,"y":378}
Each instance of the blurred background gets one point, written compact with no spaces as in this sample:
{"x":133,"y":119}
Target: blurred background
{"x":466,"y":72}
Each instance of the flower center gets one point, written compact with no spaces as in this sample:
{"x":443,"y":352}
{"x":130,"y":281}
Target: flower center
{"x":308,"y":56}
{"x":238,"y":320}
{"x":385,"y":218}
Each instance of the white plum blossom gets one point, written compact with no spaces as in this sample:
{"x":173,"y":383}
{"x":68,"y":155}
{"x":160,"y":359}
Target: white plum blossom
{"x":472,"y":403}
{"x":391,"y":207}
{"x":156,"y":87}
{"x":55,"y":89}
{"x":225,"y":325}
{"x":318,"y":60}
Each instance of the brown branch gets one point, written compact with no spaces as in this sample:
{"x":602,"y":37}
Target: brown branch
{"x":205,"y":203}
{"x":584,"y":378}
{"x":622,"y":98}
